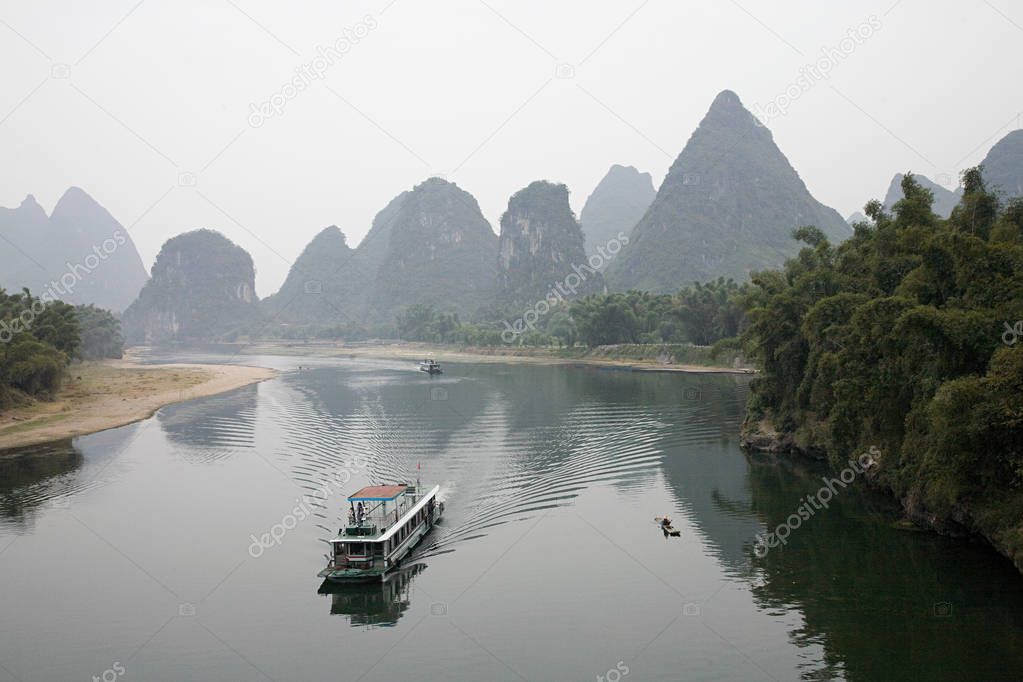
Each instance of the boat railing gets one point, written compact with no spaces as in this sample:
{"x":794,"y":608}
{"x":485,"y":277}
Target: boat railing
{"x":376,"y":521}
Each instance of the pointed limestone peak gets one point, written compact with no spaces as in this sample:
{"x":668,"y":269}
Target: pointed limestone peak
{"x":727,"y":111}
{"x":31,"y":208}
{"x":331,"y":236}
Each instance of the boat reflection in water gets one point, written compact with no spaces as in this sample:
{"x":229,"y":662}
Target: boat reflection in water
{"x":375,"y":604}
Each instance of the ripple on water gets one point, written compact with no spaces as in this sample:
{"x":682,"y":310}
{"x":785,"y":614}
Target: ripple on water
{"x":497,"y":460}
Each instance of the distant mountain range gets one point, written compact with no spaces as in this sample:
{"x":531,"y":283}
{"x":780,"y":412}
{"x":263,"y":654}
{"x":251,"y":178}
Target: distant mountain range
{"x":79,"y":254}
{"x":726,"y":208}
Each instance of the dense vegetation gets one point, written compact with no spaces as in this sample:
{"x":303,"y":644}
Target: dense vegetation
{"x":100,"y":333}
{"x":701,"y":314}
{"x":40,"y":338}
{"x":894,"y":339}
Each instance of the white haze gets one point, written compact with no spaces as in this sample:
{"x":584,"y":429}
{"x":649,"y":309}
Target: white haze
{"x":468,"y":90}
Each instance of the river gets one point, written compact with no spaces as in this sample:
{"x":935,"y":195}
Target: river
{"x":138,"y":553}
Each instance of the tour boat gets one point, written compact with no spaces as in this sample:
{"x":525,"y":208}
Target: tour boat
{"x":430,"y":366}
{"x":384,"y":523}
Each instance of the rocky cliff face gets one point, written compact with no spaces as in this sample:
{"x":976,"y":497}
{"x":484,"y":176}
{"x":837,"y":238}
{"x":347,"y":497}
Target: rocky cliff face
{"x":615,"y":206}
{"x":79,"y":254}
{"x":727,"y":207}
{"x":944,"y":199}
{"x":439,"y":251}
{"x":202,"y":289}
{"x":1003,"y":165}
{"x":541,"y":244}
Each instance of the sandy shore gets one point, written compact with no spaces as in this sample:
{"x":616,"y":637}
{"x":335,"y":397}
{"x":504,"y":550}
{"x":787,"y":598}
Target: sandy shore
{"x":418,"y":351}
{"x":106,"y":394}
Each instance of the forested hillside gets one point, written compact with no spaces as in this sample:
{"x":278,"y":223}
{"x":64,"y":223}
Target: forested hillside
{"x":904,"y":338}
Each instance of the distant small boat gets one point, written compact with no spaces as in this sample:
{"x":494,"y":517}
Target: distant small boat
{"x":665,"y":523}
{"x":429,"y":366}
{"x":384,"y":523}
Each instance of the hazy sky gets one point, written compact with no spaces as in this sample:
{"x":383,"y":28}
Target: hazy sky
{"x":148,"y":105}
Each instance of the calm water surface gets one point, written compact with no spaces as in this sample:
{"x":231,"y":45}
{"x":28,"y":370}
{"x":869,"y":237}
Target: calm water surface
{"x":129,"y":554}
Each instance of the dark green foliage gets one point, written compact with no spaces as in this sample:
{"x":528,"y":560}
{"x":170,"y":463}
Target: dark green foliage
{"x":709,"y":312}
{"x":603,"y":320}
{"x":100,"y":332}
{"x":894,"y":339}
{"x":944,"y":199}
{"x":37,"y":341}
{"x":423,"y":323}
{"x":701,"y":314}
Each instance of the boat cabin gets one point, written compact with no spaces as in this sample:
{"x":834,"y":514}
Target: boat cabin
{"x":384,"y":523}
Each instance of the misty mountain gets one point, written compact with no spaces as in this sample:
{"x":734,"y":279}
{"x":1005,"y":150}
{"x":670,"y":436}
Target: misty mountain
{"x":323,"y":284}
{"x":439,"y":251}
{"x":202,"y":288}
{"x":617,"y":203}
{"x":372,"y":250}
{"x":79,"y":254}
{"x":855,"y":217}
{"x":541,"y":244}
{"x":1003,"y":165}
{"x":944,"y":200}
{"x":727,"y":207}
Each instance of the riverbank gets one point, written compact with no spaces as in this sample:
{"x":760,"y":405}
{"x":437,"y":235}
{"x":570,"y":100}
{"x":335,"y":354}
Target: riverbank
{"x":105,"y":394}
{"x":652,"y":358}
{"x":998,"y":522}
